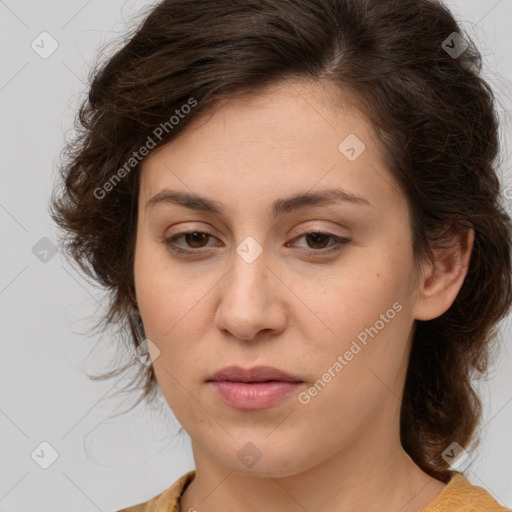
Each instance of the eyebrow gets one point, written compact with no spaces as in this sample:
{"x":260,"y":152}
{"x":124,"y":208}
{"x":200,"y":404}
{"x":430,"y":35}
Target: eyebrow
{"x":279,"y":206}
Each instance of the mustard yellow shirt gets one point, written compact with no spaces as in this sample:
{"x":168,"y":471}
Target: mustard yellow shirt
{"x":459,"y":495}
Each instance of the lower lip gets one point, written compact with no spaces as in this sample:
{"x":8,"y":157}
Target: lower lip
{"x":252,"y":396}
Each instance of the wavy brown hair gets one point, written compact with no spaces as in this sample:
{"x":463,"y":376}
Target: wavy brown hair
{"x":434,"y":115}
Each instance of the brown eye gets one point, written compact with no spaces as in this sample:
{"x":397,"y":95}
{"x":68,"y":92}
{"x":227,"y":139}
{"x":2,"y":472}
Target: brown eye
{"x":316,"y":239}
{"x":318,"y":242}
{"x":194,"y":241}
{"x":195,"y":237}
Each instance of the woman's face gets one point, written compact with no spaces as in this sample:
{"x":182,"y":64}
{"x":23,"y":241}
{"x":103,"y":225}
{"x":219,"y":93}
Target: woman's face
{"x":335,"y":311}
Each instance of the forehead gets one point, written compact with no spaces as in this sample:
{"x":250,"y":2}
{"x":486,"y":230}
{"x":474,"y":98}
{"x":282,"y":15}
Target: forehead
{"x":289,"y":136}
{"x":292,"y":114}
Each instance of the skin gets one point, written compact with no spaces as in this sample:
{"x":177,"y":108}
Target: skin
{"x":341,"y":450}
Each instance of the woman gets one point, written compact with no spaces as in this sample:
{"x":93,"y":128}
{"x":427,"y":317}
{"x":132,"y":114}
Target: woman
{"x":295,"y":208}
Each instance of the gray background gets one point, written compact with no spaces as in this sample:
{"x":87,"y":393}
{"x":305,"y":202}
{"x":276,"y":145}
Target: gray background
{"x":104,"y":463}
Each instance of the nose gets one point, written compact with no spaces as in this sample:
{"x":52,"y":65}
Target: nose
{"x":251,"y":305}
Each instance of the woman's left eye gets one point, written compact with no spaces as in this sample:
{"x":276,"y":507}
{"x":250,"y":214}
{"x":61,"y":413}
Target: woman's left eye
{"x":317,"y":238}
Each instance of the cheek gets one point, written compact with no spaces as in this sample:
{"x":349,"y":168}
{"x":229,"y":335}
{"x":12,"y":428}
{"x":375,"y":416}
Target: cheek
{"x":173,"y":313}
{"x":155,"y":299}
{"x":360,"y":291}
{"x":367,"y":309}
{"x":162,"y":294}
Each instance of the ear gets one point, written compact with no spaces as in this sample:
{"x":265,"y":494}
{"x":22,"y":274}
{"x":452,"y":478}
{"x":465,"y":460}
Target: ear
{"x":442,"y":279}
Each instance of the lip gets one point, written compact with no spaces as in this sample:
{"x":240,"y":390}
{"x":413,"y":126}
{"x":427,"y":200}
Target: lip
{"x":254,"y":374}
{"x":254,"y":396}
{"x":254,"y":388}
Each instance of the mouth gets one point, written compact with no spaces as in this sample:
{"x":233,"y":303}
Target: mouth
{"x":255,"y":388}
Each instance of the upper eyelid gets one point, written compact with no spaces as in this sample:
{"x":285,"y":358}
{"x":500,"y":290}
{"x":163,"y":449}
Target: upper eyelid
{"x":301,"y":229}
{"x":302,"y":232}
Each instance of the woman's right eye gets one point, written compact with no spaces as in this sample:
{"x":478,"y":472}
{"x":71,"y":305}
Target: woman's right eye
{"x":191,"y":237}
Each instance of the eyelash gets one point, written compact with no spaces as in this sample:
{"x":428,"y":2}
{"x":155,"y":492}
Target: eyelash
{"x":340,"y":242}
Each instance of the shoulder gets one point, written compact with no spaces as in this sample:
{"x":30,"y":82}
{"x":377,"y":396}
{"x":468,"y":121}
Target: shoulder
{"x":167,"y":500}
{"x":460,"y":495}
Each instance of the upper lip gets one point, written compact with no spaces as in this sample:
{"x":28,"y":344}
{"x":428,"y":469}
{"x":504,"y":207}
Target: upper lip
{"x":254,"y":374}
